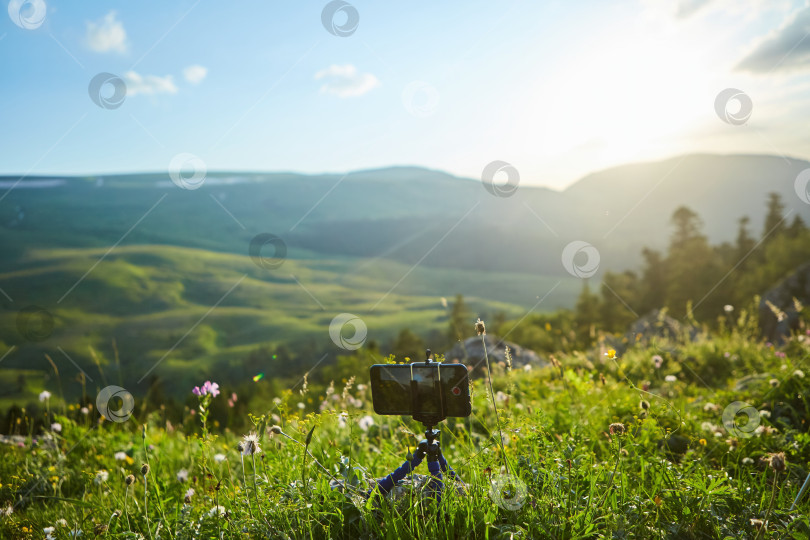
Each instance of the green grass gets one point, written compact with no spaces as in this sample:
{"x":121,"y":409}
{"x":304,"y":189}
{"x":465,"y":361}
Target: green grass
{"x":677,"y":472}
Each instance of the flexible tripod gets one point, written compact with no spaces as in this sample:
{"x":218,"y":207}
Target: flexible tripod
{"x":437,"y":465}
{"x":429,"y":447}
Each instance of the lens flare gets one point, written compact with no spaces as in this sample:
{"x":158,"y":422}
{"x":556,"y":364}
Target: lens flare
{"x":256,"y":378}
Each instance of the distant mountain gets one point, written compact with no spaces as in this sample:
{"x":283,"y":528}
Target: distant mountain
{"x":406,"y":214}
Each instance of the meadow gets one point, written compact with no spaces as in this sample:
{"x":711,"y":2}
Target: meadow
{"x":690,"y":437}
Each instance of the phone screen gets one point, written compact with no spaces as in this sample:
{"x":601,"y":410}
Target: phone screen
{"x":408,"y":389}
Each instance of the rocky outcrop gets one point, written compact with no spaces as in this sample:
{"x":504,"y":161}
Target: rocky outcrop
{"x":778,"y":321}
{"x":471,"y":353}
{"x":657,"y":324}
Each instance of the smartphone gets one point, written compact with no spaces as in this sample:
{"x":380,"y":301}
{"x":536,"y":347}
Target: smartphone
{"x":421,"y":390}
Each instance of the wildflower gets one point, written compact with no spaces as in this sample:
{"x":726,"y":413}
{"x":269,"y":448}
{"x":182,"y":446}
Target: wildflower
{"x":670,"y":378}
{"x":216,"y":511}
{"x":527,"y":367}
{"x":219,"y":458}
{"x":75,"y":533}
{"x":7,"y":511}
{"x":57,"y":427}
{"x":780,"y":354}
{"x":774,"y":383}
{"x":777,"y":461}
{"x":756,"y":523}
{"x":101,"y":477}
{"x":62,"y":522}
{"x":84,"y":410}
{"x":702,"y":442}
{"x":728,"y":308}
{"x":342,"y":417}
{"x":365,"y":422}
{"x":765,"y":413}
{"x":644,"y":404}
{"x":207,"y":388}
{"x":44,"y":396}
{"x":711,"y":407}
{"x":182,"y":475}
{"x":747,"y":461}
{"x":189,"y":495}
{"x":276,"y":430}
{"x":617,"y":429}
{"x":657,"y":361}
{"x":48,"y":532}
{"x":129,"y":479}
{"x":250,"y":444}
{"x":500,"y":396}
{"x":611,"y":353}
{"x":144,"y":469}
{"x":301,"y":405}
{"x":120,"y":456}
{"x":480,"y":328}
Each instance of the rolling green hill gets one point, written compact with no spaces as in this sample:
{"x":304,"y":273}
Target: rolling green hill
{"x":136,"y":260}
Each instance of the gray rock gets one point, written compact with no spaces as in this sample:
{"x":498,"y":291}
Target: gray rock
{"x":471,"y":353}
{"x":797,"y":285}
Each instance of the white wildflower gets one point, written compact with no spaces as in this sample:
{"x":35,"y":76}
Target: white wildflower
{"x":670,"y":378}
{"x":44,"y":395}
{"x":219,"y":458}
{"x":120,"y":456}
{"x":101,"y":477}
{"x":365,"y":422}
{"x":182,"y":475}
{"x":57,"y":427}
{"x":216,"y":511}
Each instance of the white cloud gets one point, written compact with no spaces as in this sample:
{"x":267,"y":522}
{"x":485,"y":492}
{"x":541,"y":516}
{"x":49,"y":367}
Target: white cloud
{"x":107,"y":35}
{"x":345,"y":81}
{"x":195,"y":74}
{"x":785,"y":48}
{"x":149,"y":84}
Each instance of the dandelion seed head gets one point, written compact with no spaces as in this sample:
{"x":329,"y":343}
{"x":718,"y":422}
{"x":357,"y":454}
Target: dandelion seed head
{"x":250,"y":444}
{"x":182,"y":475}
{"x":777,"y":461}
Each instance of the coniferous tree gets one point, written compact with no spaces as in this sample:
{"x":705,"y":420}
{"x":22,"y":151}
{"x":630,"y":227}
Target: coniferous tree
{"x":774,"y":220}
{"x":691,"y":265}
{"x":653,"y":281}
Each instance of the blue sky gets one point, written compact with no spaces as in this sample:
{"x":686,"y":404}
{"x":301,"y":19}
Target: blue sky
{"x":557,"y":89}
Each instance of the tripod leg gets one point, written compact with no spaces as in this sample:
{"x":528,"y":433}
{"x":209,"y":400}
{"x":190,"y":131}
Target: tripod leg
{"x":387,"y":484}
{"x":448,"y":469}
{"x":436,"y":485}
